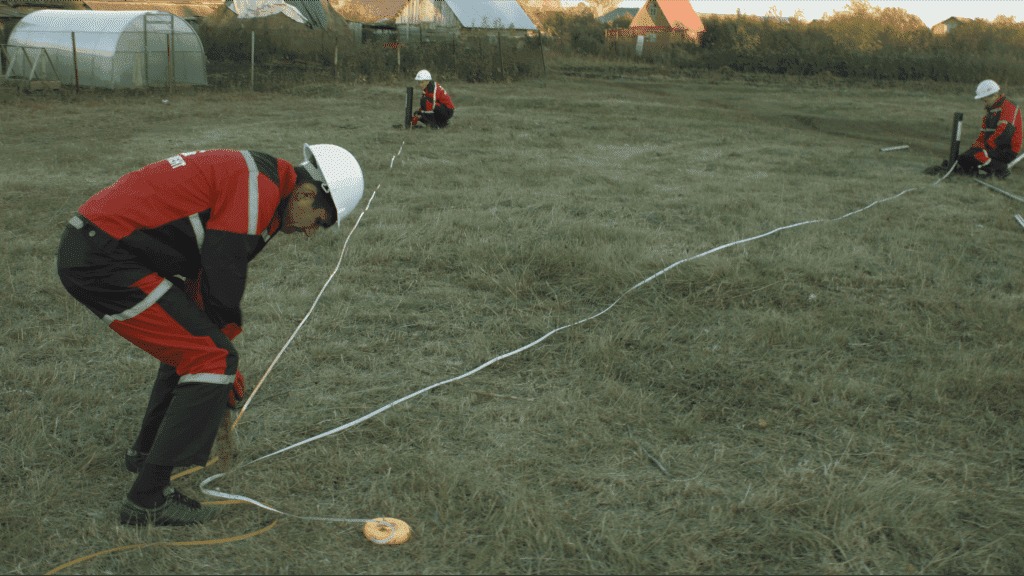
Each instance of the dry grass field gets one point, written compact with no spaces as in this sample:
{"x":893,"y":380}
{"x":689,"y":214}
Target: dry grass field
{"x":842,"y":396}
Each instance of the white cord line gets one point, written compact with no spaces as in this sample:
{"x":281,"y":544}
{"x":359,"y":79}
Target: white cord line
{"x":494,"y":360}
{"x":228,"y":496}
{"x":344,"y":249}
{"x":386,"y":407}
{"x":1000,"y":190}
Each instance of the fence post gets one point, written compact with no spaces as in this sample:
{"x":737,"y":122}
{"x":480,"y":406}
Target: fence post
{"x":170,"y":58}
{"x":543,"y":64}
{"x":145,"y":51}
{"x":74,"y":58}
{"x":501,"y":59}
{"x":167,"y":70}
{"x":252,"y":62}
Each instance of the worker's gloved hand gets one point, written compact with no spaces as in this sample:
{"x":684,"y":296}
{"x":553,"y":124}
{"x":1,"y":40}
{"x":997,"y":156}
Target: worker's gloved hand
{"x":237,"y":392}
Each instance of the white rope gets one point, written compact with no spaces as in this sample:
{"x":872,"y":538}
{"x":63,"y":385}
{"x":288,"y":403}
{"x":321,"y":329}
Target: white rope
{"x":344,"y":249}
{"x":364,"y":418}
{"x":523,"y":348}
{"x":229,"y":496}
{"x":1000,"y":190}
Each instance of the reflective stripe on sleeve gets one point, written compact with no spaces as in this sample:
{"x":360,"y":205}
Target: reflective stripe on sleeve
{"x":197,"y":228}
{"x":254,"y":191}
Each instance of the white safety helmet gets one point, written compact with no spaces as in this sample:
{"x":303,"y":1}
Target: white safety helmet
{"x":423,"y":75}
{"x":339,"y":173}
{"x":985,"y":89}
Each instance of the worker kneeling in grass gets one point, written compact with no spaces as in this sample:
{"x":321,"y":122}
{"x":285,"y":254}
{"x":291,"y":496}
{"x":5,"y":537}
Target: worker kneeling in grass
{"x":436,"y":107}
{"x":999,"y":141}
{"x":161,"y":256}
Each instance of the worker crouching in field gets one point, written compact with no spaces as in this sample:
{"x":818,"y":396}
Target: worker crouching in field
{"x":161,"y":256}
{"x":1001,"y":133}
{"x":436,"y":107}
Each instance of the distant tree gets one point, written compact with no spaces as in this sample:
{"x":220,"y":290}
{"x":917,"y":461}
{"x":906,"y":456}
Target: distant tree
{"x":621,"y":22}
{"x":775,"y":14}
{"x":862,"y":27}
{"x":901,"y":29}
{"x":856,"y":27}
{"x":576,"y":28}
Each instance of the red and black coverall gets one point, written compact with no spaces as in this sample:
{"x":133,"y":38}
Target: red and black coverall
{"x":999,"y":141}
{"x":436,"y":107}
{"x":161,"y":256}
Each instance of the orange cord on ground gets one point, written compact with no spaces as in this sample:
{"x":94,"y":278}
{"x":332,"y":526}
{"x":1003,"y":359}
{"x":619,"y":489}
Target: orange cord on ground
{"x":150,"y":544}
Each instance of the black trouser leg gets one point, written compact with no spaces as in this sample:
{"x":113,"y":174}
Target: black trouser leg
{"x":442,"y":114}
{"x":967,"y":162}
{"x":189,"y":426}
{"x":189,"y":415}
{"x":148,"y":489}
{"x":159,"y":399}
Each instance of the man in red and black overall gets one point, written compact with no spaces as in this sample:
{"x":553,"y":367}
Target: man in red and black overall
{"x":161,"y":256}
{"x":436,"y":107}
{"x":999,"y":142}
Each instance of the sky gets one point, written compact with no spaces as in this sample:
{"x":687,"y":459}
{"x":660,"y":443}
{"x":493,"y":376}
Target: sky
{"x":931,"y":12}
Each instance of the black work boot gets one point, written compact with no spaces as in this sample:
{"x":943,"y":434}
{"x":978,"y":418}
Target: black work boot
{"x":998,"y":169}
{"x":175,"y":510}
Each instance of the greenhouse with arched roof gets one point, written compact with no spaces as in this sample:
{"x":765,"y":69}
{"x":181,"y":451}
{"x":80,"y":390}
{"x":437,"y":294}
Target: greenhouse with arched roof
{"x":106,"y":49}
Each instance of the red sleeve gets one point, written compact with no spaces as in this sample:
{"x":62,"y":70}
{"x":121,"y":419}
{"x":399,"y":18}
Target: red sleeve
{"x":1006,"y":128}
{"x":444,"y":98}
{"x":245,"y":201}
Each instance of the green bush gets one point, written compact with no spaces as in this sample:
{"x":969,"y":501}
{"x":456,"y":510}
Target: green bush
{"x":575,"y":32}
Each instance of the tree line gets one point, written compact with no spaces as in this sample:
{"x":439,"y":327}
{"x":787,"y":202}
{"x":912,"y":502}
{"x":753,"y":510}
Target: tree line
{"x":862,"y":41}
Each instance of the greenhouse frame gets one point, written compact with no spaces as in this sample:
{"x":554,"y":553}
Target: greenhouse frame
{"x":106,"y":49}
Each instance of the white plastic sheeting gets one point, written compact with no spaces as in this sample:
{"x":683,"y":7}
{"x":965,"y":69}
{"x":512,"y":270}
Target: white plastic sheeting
{"x":491,"y":14}
{"x":264,"y":8}
{"x":466,"y":14}
{"x":106,"y":48}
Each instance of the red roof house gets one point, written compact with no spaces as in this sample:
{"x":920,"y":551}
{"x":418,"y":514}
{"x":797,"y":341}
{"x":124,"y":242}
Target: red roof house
{"x":668,"y":15}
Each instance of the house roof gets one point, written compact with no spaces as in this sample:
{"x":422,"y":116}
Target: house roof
{"x":680,"y":14}
{"x":182,"y":8}
{"x":677,"y":14}
{"x":618,"y":13}
{"x":491,"y":14}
